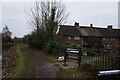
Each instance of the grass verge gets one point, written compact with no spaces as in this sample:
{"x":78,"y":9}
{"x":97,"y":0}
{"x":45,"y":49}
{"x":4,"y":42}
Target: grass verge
{"x":51,"y":58}
{"x":25,"y":67}
{"x":85,"y":71}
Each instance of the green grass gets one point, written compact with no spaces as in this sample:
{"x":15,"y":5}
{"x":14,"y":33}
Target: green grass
{"x":50,"y":58}
{"x":62,"y":73}
{"x":25,"y":67}
{"x":85,"y":71}
{"x":65,"y":65}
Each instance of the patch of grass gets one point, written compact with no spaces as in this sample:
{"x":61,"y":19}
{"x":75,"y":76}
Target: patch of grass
{"x":25,"y":67}
{"x":51,"y":58}
{"x":85,"y":71}
{"x":24,"y":46}
{"x":65,"y":65}
{"x":56,"y":65}
{"x":62,"y":73}
{"x":54,"y":58}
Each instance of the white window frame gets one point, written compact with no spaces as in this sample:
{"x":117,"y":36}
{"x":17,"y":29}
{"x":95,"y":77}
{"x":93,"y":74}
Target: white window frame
{"x":69,"y":37}
{"x":104,"y":39}
{"x":77,"y":38}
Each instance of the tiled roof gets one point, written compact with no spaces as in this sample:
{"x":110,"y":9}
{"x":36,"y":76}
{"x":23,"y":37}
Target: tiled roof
{"x":109,"y":33}
{"x":87,"y":31}
{"x":66,"y":30}
{"x":69,"y":31}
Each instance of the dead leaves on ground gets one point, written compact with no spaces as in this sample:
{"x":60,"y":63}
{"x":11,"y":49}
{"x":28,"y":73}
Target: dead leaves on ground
{"x":8,"y":61}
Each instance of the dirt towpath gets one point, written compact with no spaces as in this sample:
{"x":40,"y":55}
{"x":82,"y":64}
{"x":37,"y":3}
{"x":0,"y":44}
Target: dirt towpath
{"x":72,"y":64}
{"x":43,"y":69}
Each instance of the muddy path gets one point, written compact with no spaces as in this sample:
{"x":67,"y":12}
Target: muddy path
{"x":43,"y":69}
{"x":73,"y":63}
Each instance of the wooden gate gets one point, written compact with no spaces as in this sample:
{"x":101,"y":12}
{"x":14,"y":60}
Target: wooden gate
{"x":74,"y":54}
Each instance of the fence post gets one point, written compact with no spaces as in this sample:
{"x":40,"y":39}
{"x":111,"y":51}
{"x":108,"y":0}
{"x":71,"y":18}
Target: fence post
{"x":79,"y":57}
{"x":65,"y":57}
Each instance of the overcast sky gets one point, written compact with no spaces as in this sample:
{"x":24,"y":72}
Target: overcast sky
{"x":100,"y":14}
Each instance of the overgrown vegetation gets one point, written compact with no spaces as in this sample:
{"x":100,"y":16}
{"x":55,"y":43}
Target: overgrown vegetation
{"x":68,"y":44}
{"x":57,"y":48}
{"x":53,"y":47}
{"x":45,"y":18}
{"x":85,"y":71}
{"x":8,"y":61}
{"x":108,"y":61}
{"x":36,"y":40}
{"x":6,"y":35}
{"x":24,"y":65}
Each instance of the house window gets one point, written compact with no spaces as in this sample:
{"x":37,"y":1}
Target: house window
{"x":77,"y":38}
{"x":113,"y":39}
{"x":104,"y":45}
{"x":106,"y":38}
{"x":109,"y":46}
{"x":103,"y":38}
{"x":69,"y":37}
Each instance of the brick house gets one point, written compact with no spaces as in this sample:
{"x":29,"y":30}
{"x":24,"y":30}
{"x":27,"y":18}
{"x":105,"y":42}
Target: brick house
{"x":89,"y":36}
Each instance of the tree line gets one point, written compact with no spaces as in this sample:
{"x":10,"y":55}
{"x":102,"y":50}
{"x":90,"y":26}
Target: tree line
{"x":6,"y":35}
{"x":44,"y":18}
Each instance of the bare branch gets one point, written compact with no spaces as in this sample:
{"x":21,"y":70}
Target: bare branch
{"x":47,"y":16}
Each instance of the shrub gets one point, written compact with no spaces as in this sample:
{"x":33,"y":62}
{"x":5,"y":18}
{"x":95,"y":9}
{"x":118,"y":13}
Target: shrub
{"x":36,"y":40}
{"x":56,"y":48}
{"x":53,"y":47}
{"x":70,"y":45}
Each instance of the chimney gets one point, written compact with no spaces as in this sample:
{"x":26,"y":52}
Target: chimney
{"x":91,"y":25}
{"x":109,"y":27}
{"x":76,"y":24}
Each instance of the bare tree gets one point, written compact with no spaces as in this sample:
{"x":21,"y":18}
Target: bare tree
{"x":46,"y":16}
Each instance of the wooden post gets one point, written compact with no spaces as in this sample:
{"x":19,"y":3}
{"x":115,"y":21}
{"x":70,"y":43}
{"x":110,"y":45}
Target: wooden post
{"x":65,"y":57}
{"x":79,"y":57}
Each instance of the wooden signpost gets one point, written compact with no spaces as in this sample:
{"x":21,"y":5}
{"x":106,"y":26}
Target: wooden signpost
{"x":75,"y":53}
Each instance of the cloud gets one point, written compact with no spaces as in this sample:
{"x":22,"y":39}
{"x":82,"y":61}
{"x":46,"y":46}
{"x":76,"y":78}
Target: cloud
{"x":13,"y":15}
{"x":0,"y":16}
{"x":100,"y":14}
{"x":119,"y":14}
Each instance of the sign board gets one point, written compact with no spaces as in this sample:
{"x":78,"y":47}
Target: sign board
{"x":74,"y":54}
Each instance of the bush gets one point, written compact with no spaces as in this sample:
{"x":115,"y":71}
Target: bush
{"x":70,"y":45}
{"x":56,"y":48}
{"x":36,"y":40}
{"x":53,"y":47}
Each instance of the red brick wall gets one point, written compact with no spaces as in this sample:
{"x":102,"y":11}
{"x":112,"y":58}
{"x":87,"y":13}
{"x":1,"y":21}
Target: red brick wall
{"x":81,"y":42}
{"x":110,"y":41}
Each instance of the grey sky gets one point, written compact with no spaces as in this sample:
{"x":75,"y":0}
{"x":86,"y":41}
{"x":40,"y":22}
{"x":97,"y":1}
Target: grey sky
{"x":100,"y":14}
{"x":119,"y":14}
{"x":14,"y":16}
{"x":97,"y":13}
